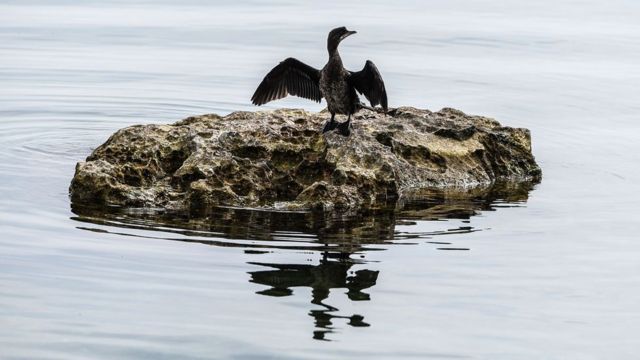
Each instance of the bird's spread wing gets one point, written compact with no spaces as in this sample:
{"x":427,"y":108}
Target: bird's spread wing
{"x":368,"y":82}
{"x":291,"y":76}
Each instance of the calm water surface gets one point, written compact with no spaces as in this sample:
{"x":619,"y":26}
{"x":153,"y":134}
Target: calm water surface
{"x":551,"y":272}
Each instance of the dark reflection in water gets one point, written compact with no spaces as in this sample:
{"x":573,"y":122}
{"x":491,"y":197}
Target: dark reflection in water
{"x":223,"y":226}
{"x":337,"y":237}
{"x":321,"y":278}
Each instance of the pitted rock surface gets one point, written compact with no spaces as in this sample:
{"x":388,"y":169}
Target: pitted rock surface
{"x":280,"y":159}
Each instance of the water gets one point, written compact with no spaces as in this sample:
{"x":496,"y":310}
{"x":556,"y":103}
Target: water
{"x":550,"y":272}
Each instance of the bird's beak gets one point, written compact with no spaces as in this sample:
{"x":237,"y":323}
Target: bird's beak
{"x":347,"y":34}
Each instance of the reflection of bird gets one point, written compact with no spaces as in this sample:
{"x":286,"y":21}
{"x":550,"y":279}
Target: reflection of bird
{"x":336,"y":84}
{"x":321,"y":279}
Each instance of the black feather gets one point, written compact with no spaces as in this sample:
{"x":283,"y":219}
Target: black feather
{"x":368,"y":82}
{"x":291,"y":76}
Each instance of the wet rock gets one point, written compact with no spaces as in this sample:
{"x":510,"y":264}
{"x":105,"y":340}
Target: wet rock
{"x":280,"y":159}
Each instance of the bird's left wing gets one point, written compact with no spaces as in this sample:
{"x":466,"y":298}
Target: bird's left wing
{"x":291,"y":76}
{"x":368,"y":82}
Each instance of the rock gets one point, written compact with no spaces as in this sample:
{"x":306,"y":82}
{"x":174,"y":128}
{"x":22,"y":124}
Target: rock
{"x":280,"y":159}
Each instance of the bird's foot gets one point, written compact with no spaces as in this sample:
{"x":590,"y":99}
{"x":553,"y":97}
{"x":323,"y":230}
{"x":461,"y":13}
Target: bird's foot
{"x":330,"y":126}
{"x":345,"y":128}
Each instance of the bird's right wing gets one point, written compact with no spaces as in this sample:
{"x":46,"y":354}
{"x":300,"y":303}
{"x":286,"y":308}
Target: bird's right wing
{"x":291,"y":76}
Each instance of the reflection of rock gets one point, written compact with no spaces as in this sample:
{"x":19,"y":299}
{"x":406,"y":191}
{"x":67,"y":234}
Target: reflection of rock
{"x":280,"y":159}
{"x":329,"y":274}
{"x":348,"y":232}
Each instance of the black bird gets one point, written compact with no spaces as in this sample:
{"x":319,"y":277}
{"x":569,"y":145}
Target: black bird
{"x":336,"y":84}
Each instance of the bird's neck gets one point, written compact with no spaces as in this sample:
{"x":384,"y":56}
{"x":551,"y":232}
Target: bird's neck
{"x":332,"y":47}
{"x":334,"y":56}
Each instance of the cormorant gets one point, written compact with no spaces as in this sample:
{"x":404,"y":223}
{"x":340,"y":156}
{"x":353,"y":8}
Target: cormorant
{"x":336,"y":84}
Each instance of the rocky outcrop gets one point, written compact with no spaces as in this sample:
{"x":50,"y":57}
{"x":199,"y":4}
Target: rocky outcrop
{"x":280,"y":159}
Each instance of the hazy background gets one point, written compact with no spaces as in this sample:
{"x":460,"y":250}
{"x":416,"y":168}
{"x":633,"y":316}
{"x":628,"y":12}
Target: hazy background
{"x":555,"y":277}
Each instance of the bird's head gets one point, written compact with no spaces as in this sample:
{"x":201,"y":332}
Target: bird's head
{"x":336,"y":36}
